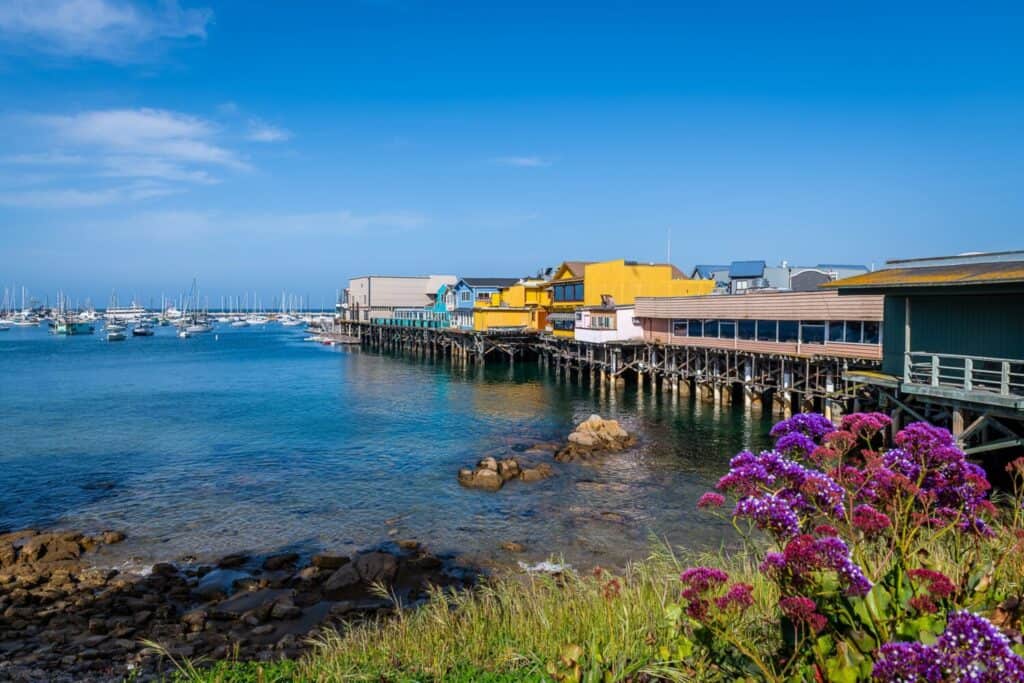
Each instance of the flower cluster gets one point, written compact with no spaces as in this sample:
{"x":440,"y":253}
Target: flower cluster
{"x":801,"y":610}
{"x":711,"y":500}
{"x":870,"y":521}
{"x":865,"y":425}
{"x":812,"y":425}
{"x":970,"y":649}
{"x":704,"y":589}
{"x":805,"y":556}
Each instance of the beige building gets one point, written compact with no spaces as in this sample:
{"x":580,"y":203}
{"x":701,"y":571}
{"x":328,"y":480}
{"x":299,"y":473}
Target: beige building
{"x":375,"y":297}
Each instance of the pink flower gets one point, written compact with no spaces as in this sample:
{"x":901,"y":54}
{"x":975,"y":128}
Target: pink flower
{"x":711,"y":500}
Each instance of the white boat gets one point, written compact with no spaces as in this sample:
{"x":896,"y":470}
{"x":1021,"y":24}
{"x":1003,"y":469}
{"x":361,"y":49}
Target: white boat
{"x":241,"y":322}
{"x":114,"y":327}
{"x":115,"y":336}
{"x":199,"y":328}
{"x":143,"y":330}
{"x":256,"y":320}
{"x":5,"y":325}
{"x":131,"y":314}
{"x":184,"y":334}
{"x":172,"y":313}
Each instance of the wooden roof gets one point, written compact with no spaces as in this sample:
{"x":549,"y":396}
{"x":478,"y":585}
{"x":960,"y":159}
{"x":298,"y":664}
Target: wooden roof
{"x":960,"y":275}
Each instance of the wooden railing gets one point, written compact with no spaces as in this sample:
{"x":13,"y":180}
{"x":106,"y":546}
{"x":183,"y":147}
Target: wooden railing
{"x":1001,"y":376}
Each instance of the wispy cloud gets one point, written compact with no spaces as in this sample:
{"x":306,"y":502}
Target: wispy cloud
{"x":72,"y":198}
{"x":523,"y":162}
{"x":43,"y":159}
{"x":107,"y":30}
{"x":260,"y":131}
{"x":147,"y":132}
{"x":150,"y":153}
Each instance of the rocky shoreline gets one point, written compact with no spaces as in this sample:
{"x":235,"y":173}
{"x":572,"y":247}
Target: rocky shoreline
{"x":64,"y":619}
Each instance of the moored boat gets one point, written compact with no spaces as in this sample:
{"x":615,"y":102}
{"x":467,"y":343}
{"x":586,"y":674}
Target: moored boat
{"x":143,"y":330}
{"x":115,"y":336}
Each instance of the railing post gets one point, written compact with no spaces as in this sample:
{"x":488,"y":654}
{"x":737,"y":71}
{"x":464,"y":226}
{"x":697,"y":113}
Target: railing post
{"x":968,"y":374}
{"x":935,"y":371}
{"x":907,"y":367}
{"x":1004,"y":378}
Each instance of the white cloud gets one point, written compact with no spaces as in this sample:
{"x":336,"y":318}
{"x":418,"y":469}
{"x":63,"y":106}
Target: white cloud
{"x":150,"y":132}
{"x":109,"y":30}
{"x":260,"y":131}
{"x":523,"y":162}
{"x":161,"y":151}
{"x":43,"y":159}
{"x":73,"y":198}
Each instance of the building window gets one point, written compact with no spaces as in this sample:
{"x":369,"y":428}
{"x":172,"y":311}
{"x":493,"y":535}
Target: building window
{"x":746,"y":329}
{"x":579,"y":292}
{"x":567,"y":325}
{"x":836,"y":332}
{"x":789,"y":331}
{"x":465,"y":296}
{"x":767,"y":330}
{"x":872,"y":334}
{"x":727,"y":329}
{"x":711,"y":328}
{"x":695,"y":328}
{"x":853,"y":332}
{"x":812,"y":332}
{"x":679,"y":328}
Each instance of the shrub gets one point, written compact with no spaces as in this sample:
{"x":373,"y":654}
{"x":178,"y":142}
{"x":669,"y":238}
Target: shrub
{"x":878,"y":555}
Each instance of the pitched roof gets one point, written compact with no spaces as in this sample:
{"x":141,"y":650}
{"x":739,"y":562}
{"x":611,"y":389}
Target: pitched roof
{"x":998,"y":272}
{"x":490,"y":281}
{"x":746,"y":269}
{"x":576,"y":267}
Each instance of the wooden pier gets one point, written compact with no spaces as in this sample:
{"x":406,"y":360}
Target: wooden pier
{"x":770,"y":381}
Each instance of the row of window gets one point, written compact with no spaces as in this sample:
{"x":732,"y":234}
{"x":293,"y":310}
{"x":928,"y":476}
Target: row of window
{"x":804,"y":331}
{"x":563,"y":324}
{"x":570,"y":292}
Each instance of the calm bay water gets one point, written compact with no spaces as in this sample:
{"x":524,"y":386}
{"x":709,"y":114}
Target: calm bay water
{"x":253,"y":440}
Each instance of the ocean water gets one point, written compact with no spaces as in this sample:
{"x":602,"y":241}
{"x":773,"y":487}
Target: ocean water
{"x":254,"y":440}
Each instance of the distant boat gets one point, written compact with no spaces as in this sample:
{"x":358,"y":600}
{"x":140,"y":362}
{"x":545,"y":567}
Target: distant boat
{"x":5,"y":325}
{"x":115,"y":327}
{"x":70,"y":326}
{"x":241,"y":322}
{"x":115,"y":336}
{"x":143,"y":330}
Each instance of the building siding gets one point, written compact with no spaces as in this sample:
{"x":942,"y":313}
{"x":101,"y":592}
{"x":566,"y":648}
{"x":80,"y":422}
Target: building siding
{"x":991,"y":325}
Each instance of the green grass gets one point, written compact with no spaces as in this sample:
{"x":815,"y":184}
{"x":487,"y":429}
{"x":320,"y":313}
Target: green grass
{"x":593,"y":627}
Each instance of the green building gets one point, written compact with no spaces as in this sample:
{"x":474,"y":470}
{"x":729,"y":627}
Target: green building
{"x":952,"y":344}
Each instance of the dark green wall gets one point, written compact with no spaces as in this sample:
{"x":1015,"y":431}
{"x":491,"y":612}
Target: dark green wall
{"x":982,"y":324}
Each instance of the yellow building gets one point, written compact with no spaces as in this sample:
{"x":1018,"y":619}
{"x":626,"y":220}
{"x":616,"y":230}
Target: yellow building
{"x":521,"y":306}
{"x":567,"y":292}
{"x":579,"y":284}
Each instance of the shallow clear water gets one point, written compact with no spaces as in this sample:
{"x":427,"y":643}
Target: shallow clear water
{"x":253,"y":440}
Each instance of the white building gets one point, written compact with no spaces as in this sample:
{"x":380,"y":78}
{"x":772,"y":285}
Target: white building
{"x":605,"y":324}
{"x":375,"y":297}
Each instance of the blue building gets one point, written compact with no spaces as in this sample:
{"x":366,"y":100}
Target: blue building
{"x":435,"y":315}
{"x":468,"y":291}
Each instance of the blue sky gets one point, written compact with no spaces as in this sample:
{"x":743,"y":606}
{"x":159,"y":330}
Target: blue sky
{"x":290,"y":145}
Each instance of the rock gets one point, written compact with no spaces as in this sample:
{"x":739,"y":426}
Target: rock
{"x":342,"y":581}
{"x":541,"y":471}
{"x":277,"y":562}
{"x":112,"y":537}
{"x":409,"y":544}
{"x":285,"y":609}
{"x":329,"y":561}
{"x":218,"y":584}
{"x":513,"y":547}
{"x":163,"y":569}
{"x":196,"y":619}
{"x":263,"y":630}
{"x":485,"y":479}
{"x":508,"y":469}
{"x":374,"y":567}
{"x":592,"y":437}
{"x":232,"y":561}
{"x":488,"y":464}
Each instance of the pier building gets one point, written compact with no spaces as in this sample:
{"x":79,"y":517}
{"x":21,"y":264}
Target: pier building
{"x":469,"y":291}
{"x":376,"y":297}
{"x":952,"y":344}
{"x":522,"y":306}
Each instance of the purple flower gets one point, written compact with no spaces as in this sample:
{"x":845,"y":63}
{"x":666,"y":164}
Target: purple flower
{"x":812,"y":425}
{"x":770,"y":513}
{"x":865,"y":425}
{"x":805,"y":555}
{"x":970,"y":649}
{"x":795,"y":444}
